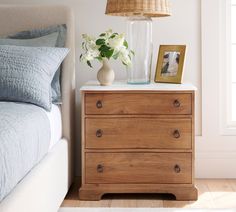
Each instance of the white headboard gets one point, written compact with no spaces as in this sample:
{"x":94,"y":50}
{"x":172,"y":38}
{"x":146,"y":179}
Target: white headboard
{"x":15,"y":18}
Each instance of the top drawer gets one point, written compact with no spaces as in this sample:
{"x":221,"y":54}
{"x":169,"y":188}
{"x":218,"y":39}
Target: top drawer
{"x":138,"y":103}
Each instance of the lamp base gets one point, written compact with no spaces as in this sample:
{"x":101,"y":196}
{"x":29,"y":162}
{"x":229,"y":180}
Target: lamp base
{"x":139,"y":83}
{"x":139,"y":36}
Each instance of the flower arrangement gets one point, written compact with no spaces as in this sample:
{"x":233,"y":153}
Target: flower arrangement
{"x":108,"y":45}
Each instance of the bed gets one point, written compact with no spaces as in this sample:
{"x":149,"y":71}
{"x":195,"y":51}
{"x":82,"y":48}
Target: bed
{"x":45,"y":186}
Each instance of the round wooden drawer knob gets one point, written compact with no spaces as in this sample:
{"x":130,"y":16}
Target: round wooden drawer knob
{"x":99,"y":104}
{"x":177,"y":169}
{"x":100,"y":168}
{"x":99,"y":133}
{"x":176,"y":103}
{"x":176,"y":134}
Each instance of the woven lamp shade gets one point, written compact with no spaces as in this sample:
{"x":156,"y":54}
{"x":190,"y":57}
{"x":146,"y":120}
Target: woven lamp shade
{"x":148,"y":8}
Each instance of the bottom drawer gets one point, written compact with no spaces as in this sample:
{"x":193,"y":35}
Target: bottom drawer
{"x":149,"y":168}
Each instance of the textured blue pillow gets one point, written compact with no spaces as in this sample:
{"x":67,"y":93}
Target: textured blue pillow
{"x":60,"y":42}
{"x":26,"y":73}
{"x":44,"y":41}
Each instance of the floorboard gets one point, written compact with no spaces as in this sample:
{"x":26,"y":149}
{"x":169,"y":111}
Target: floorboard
{"x":212,"y":194}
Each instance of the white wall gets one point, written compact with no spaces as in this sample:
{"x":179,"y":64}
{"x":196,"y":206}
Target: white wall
{"x":215,"y":154}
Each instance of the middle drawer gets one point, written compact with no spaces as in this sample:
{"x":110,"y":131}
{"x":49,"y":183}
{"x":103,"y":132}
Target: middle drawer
{"x":138,"y":133}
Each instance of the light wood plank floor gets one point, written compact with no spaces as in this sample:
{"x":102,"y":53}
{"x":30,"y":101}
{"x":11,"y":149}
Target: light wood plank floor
{"x":212,"y":194}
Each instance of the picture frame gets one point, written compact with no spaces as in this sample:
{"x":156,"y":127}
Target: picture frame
{"x":170,"y":64}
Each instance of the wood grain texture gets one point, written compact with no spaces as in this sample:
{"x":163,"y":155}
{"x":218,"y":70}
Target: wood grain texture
{"x":226,"y":196}
{"x":83,"y":136}
{"x":96,"y":191}
{"x":127,"y":145}
{"x":138,"y":150}
{"x":137,"y":133}
{"x":193,"y":136}
{"x":138,"y":103}
{"x":213,"y":194}
{"x":128,"y":168}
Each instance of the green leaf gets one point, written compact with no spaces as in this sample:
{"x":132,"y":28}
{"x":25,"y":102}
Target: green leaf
{"x":124,"y":64}
{"x":126,"y":44}
{"x":89,"y":64}
{"x":102,"y":35}
{"x":106,"y":51}
{"x":108,"y":54}
{"x":84,"y":46}
{"x":100,"y":42}
{"x":99,"y":58}
{"x":102,"y":54}
{"x":114,"y":35}
{"x":104,"y":48}
{"x":132,"y":52}
{"x":115,"y":56}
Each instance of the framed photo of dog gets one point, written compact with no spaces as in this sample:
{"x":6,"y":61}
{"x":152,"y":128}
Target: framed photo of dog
{"x":170,"y":64}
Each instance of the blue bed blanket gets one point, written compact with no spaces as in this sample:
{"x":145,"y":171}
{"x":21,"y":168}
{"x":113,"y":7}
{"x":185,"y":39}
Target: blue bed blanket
{"x":24,"y":141}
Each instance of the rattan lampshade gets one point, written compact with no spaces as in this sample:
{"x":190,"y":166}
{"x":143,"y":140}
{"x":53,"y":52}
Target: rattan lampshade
{"x":149,"y":8}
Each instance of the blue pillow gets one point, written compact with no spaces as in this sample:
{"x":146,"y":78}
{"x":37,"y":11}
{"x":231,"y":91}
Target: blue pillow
{"x":26,"y":73}
{"x":60,"y":42}
{"x":44,"y":41}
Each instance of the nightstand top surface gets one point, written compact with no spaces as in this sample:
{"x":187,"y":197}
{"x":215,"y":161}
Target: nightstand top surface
{"x":123,"y":86}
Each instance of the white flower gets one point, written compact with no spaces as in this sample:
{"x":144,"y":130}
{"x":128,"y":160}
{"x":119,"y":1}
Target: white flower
{"x":90,"y":55}
{"x":124,"y":56}
{"x":83,"y":58}
{"x":88,"y":38}
{"x":117,"y":42}
{"x":90,"y":43}
{"x":90,"y":47}
{"x":126,"y":61}
{"x":108,"y":33}
{"x":94,"y":52}
{"x":108,"y":43}
{"x":93,"y":48}
{"x":87,"y":57}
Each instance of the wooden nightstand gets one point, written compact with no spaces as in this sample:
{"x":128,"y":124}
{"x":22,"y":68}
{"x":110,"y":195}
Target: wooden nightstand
{"x":138,"y":139}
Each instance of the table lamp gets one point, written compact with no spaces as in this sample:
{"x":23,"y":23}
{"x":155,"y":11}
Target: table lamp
{"x":139,"y":32}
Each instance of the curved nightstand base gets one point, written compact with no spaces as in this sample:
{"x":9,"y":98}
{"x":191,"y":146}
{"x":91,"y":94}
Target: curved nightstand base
{"x":95,"y":192}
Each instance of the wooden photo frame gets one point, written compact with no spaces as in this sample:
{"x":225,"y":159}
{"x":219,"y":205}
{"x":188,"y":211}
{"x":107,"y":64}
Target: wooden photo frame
{"x":170,"y":64}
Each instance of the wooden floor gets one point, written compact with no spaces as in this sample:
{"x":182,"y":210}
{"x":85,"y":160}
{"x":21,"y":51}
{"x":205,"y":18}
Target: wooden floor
{"x":212,"y":194}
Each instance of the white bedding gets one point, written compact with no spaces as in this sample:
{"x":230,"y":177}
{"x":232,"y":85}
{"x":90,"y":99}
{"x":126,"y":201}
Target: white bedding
{"x":55,"y":125}
{"x":46,"y":185}
{"x":29,"y":134}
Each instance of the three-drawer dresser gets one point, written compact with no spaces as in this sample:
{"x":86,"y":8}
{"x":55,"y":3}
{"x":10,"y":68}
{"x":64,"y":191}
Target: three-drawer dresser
{"x":138,"y":139}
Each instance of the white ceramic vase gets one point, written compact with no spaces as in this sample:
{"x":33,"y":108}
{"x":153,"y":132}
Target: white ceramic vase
{"x":105,"y":74}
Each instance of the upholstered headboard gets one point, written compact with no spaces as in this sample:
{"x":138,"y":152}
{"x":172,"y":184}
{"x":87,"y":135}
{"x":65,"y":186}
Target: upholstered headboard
{"x":16,"y":18}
